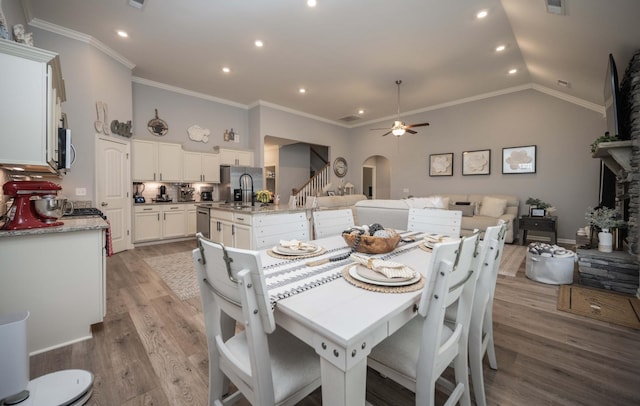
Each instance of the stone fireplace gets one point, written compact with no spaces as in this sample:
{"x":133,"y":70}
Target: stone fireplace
{"x":623,"y":158}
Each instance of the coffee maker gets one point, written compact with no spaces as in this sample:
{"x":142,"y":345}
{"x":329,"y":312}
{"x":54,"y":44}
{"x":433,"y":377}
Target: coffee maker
{"x":27,"y":215}
{"x":206,"y":193}
{"x":185,"y":193}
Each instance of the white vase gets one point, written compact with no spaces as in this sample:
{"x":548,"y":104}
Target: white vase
{"x":605,"y":241}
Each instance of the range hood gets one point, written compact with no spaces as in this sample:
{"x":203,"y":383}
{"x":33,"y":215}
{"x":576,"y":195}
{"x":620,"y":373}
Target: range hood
{"x":617,"y":156}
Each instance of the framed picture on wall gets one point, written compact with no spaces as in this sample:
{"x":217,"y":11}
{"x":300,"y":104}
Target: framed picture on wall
{"x":519,"y":159}
{"x":441,"y":164}
{"x":476,"y":162}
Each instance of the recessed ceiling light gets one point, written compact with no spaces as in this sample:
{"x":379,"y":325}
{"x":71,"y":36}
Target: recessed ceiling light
{"x":360,"y":111}
{"x":311,"y":3}
{"x":482,"y":14}
{"x":513,"y":71}
{"x":302,"y":90}
{"x":500,"y":48}
{"x":259,"y":43}
{"x":226,"y":69}
{"x":122,"y":34}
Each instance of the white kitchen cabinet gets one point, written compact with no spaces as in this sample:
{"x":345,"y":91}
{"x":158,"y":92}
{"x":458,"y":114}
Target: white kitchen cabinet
{"x":190,"y":212}
{"x":169,"y":162}
{"x":200,"y":167}
{"x":33,"y":90}
{"x":231,"y":229}
{"x":174,"y":223}
{"x":147,"y":225}
{"x":235,"y":157}
{"x":156,"y":161}
{"x":59,"y":277}
{"x":162,"y":221}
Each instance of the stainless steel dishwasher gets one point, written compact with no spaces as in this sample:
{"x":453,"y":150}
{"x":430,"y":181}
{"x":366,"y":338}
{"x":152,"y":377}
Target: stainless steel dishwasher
{"x":202,"y":221}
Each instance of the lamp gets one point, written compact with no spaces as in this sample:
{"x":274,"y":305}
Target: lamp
{"x":398,"y":128}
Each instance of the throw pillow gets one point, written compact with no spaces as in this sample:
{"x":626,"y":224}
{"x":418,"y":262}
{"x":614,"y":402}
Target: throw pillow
{"x":433,"y":202}
{"x":492,"y":206}
{"x":466,"y":209}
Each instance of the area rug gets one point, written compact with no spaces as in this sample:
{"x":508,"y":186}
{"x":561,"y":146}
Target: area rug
{"x":178,"y":272}
{"x":512,"y":257}
{"x":601,"y":305}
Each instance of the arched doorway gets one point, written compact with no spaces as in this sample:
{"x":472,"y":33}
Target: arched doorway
{"x":376,"y":177}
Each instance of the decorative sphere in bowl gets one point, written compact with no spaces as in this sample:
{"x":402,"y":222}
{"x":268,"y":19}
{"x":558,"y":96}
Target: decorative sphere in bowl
{"x":371,"y":244}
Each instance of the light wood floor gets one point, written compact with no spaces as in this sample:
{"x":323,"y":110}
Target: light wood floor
{"x":151,"y":348}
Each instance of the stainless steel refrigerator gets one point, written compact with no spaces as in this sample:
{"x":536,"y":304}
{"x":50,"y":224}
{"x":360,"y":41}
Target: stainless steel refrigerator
{"x":230,"y":180}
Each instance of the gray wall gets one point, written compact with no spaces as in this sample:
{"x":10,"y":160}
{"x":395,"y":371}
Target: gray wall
{"x":89,"y":76}
{"x":181,"y":111}
{"x":566,"y":176}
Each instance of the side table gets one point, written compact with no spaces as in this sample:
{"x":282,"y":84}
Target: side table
{"x":542,"y":224}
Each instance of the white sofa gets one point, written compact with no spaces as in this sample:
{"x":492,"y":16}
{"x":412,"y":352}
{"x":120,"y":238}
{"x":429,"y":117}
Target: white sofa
{"x":395,"y":213}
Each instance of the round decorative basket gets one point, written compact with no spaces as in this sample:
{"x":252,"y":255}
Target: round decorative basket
{"x":373,"y":245}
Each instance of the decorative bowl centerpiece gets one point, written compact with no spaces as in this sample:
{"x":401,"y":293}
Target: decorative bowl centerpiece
{"x":372,"y":239}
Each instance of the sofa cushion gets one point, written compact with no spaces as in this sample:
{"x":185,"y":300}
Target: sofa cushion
{"x":466,"y":209}
{"x":492,"y":206}
{"x":431,"y":202}
{"x":479,"y":222}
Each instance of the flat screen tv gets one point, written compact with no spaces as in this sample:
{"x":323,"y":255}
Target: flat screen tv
{"x":612,"y":99}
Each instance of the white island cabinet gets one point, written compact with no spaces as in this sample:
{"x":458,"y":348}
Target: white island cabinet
{"x":255,"y":229}
{"x":59,"y":277}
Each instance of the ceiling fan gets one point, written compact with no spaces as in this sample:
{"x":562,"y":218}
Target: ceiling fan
{"x":399,"y":127}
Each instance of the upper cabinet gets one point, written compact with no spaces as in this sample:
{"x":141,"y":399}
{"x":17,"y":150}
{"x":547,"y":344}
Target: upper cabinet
{"x":156,"y":161}
{"x":30,"y":109}
{"x":200,"y":167}
{"x":234,"y":157}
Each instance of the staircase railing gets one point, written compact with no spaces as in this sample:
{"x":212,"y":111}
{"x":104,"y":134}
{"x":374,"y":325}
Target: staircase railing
{"x":313,"y":186}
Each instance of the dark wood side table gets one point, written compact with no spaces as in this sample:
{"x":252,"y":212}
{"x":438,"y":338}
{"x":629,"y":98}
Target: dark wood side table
{"x":543,"y":224}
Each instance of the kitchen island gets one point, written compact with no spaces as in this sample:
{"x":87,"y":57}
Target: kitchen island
{"x":58,"y":275}
{"x":256,"y":227}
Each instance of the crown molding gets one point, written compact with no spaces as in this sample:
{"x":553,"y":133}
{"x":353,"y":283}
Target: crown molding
{"x":175,"y":89}
{"x":296,"y":112}
{"x":78,"y":36}
{"x":568,"y":98}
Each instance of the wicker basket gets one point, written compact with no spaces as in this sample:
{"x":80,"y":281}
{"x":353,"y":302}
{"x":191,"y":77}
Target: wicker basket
{"x":373,"y":245}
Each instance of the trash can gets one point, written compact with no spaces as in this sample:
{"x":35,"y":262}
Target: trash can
{"x":14,"y":358}
{"x":550,"y":264}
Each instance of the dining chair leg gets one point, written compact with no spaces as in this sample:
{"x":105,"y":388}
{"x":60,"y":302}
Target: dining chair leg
{"x":491,"y":351}
{"x":462,"y":376}
{"x":475,"y":362}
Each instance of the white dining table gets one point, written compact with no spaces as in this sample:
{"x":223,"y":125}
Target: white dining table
{"x":343,"y":322}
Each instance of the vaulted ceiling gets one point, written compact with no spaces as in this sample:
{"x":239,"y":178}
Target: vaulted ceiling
{"x":347,"y":54}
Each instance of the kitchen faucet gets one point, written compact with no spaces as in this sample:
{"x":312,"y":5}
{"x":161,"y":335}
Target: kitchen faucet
{"x":244,"y":189}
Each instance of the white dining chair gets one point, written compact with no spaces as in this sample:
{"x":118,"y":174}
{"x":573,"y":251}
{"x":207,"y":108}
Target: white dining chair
{"x":481,"y":328}
{"x":435,"y":221}
{"x":268,"y":365}
{"x":453,"y":266}
{"x":327,"y":223}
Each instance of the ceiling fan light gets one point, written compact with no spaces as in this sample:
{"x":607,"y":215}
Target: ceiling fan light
{"x":397,"y":132}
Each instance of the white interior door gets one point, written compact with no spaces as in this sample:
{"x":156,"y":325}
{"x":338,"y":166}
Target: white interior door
{"x":113,"y":181}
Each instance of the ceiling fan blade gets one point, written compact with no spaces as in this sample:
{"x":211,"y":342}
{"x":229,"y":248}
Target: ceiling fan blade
{"x":386,"y":128}
{"x":410,"y":131}
{"x":387,"y":133}
{"x":416,"y":125}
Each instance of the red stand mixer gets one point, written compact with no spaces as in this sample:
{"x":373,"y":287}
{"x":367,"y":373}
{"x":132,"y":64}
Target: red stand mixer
{"x":26,"y":215}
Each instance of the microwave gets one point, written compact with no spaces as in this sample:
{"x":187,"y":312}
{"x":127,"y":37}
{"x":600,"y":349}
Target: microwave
{"x":66,"y":151}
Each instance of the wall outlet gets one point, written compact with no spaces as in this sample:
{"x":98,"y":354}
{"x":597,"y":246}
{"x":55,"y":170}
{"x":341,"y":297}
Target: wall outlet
{"x":405,"y":190}
{"x":81,"y":191}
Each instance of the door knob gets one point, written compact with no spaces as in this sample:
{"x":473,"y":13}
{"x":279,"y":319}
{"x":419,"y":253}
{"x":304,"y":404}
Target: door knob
{"x":104,"y":204}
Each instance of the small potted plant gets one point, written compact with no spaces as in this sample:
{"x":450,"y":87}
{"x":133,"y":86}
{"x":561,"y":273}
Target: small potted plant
{"x":604,"y":219}
{"x":538,"y":208}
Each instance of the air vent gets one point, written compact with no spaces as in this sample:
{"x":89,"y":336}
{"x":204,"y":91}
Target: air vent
{"x":136,"y":3}
{"x":555,"y":6}
{"x":349,"y":119}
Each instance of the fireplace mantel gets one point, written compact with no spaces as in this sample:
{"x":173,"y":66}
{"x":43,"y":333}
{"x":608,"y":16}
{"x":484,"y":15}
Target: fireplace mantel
{"x":617,"y":156}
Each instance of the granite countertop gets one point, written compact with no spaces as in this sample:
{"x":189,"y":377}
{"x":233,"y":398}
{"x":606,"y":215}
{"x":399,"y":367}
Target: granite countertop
{"x":149,"y":203}
{"x":257,"y":209}
{"x":70,"y":224}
